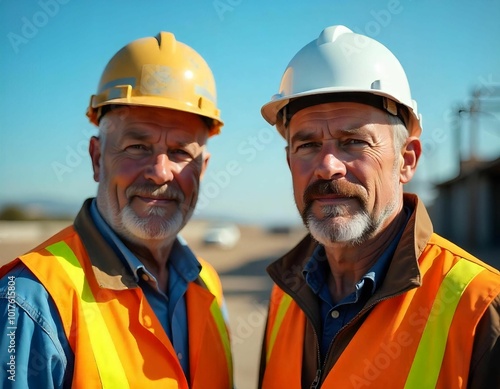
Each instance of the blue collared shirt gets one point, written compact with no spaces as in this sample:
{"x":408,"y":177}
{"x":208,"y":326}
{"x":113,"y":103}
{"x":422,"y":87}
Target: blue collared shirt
{"x":336,"y":316}
{"x":43,"y":357}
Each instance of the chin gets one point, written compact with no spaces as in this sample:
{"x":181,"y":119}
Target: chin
{"x":153,"y":227}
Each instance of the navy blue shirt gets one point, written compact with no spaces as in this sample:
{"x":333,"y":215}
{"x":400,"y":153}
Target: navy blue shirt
{"x":336,"y":316}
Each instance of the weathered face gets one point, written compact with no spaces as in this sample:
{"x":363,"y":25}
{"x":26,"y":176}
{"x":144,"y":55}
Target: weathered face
{"x":345,"y":171}
{"x":148,"y":162}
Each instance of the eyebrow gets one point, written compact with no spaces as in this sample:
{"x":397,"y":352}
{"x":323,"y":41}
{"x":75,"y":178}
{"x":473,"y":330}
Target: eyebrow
{"x":140,"y":135}
{"x":309,"y":133}
{"x":303,"y":135}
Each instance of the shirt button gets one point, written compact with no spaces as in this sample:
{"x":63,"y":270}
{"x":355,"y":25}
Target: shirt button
{"x":145,"y":277}
{"x":179,"y":355}
{"x":335,"y":314}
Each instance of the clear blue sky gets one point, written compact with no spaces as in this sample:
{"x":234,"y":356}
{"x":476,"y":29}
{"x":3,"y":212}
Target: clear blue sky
{"x":53,"y":53}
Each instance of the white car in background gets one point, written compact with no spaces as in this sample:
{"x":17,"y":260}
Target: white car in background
{"x":223,"y":235}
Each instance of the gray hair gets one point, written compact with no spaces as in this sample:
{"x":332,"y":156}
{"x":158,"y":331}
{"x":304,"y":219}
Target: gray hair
{"x":400,"y":132}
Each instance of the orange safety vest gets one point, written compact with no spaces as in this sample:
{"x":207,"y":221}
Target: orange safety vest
{"x":115,"y":335}
{"x":420,"y":339}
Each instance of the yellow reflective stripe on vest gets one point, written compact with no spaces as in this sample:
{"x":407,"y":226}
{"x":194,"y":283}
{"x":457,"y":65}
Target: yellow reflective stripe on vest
{"x":111,"y":371}
{"x":210,"y":282}
{"x":426,"y":366}
{"x":216,"y":312}
{"x":280,"y":315}
{"x":221,"y":326}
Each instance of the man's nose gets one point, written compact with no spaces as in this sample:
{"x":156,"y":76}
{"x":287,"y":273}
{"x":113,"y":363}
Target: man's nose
{"x":330,"y":165}
{"x":161,"y":170}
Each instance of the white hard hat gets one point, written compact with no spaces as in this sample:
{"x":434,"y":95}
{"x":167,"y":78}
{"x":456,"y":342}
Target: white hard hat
{"x":341,"y":65}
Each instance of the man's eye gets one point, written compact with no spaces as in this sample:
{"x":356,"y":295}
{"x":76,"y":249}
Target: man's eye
{"x":180,"y":154}
{"x":354,"y":142}
{"x":137,"y":149}
{"x":179,"y":151}
{"x":308,"y":145}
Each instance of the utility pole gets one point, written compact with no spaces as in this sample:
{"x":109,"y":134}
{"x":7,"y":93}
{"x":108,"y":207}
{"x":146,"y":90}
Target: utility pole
{"x":474,"y":109}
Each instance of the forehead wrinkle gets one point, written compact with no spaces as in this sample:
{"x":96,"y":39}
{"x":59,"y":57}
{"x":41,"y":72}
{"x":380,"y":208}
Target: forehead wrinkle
{"x":136,"y":134}
{"x":310,"y":132}
{"x":351,"y":130}
{"x":180,"y":138}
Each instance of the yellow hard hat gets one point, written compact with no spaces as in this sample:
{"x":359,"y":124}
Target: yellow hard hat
{"x":158,"y":72}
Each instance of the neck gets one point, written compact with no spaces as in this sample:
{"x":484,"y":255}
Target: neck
{"x":154,"y":256}
{"x":349,"y":263}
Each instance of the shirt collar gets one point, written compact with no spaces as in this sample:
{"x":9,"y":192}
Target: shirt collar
{"x":181,"y":257}
{"x":184,"y":261}
{"x":316,"y":268}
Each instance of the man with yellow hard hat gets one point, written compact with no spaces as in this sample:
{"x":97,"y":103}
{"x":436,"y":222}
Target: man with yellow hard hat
{"x":118,"y":299}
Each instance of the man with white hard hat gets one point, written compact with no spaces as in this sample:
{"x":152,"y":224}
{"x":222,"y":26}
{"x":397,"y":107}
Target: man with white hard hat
{"x":371,"y":297}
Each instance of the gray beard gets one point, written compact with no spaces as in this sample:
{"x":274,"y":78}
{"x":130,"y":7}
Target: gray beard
{"x":156,"y":226}
{"x":337,"y":226}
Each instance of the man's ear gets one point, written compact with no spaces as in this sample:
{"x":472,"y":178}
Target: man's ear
{"x":287,"y":152}
{"x":95,"y":156}
{"x":410,"y":154}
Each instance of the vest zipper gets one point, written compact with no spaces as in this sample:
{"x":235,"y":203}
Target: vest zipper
{"x":317,"y":378}
{"x":315,"y":383}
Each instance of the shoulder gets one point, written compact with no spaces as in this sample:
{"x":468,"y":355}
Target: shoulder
{"x":34,"y":310}
{"x":20,"y":286}
{"x":39,"y":346}
{"x":486,"y":349}
{"x":207,"y":270}
{"x":22,"y":280}
{"x":446,"y":250}
{"x":211,"y":279}
{"x":21,"y":292}
{"x":464,"y":273}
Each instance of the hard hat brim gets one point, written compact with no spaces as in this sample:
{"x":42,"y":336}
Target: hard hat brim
{"x":157,"y":102}
{"x":271,"y":110}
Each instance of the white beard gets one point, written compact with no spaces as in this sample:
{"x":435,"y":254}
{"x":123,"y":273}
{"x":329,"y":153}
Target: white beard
{"x":156,"y":226}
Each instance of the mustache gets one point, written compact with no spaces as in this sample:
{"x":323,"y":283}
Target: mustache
{"x":164,"y":192}
{"x":334,"y":187}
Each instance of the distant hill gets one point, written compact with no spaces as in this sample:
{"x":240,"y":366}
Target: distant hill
{"x":38,"y":209}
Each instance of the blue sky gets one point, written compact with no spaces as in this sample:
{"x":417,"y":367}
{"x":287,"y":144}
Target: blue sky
{"x":53,"y":53}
